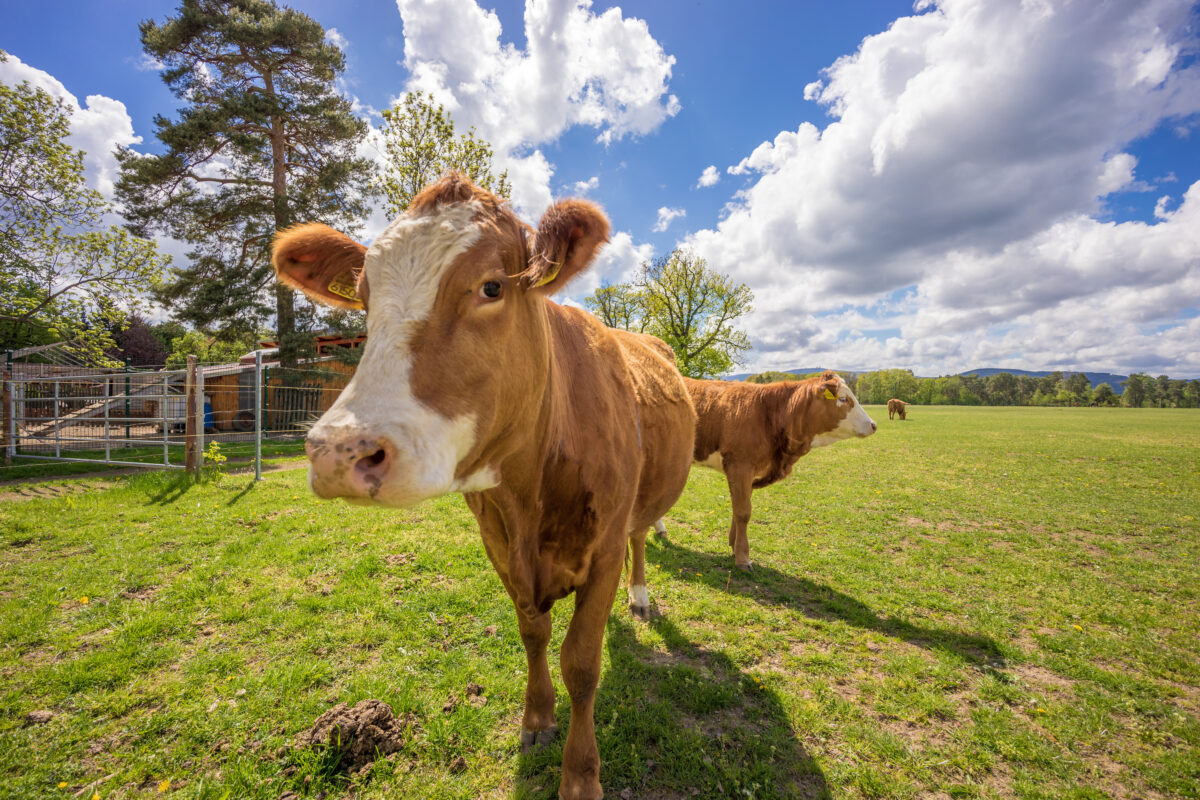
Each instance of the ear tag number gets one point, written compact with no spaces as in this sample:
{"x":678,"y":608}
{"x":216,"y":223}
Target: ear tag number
{"x":343,"y":287}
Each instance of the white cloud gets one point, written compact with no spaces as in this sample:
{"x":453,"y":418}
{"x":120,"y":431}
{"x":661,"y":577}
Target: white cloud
{"x":966,"y":167}
{"x":335,"y":38}
{"x":666,"y":216}
{"x":583,"y":187}
{"x":97,"y":128}
{"x":709,"y":177}
{"x":603,"y":71}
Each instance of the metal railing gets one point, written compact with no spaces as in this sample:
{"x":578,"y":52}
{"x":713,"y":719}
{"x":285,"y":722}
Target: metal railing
{"x":138,"y":418}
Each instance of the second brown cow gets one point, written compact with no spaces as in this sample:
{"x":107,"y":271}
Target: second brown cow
{"x":755,"y":434}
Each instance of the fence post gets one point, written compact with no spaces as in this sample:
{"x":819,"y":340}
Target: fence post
{"x":202,"y":419}
{"x":107,"y":421}
{"x":57,"y":423}
{"x":127,"y":442}
{"x":191,"y":460}
{"x":258,"y":410}
{"x":8,"y":434}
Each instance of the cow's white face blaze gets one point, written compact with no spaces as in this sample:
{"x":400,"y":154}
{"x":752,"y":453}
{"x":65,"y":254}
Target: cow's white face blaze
{"x":856,"y":421}
{"x":378,"y":411}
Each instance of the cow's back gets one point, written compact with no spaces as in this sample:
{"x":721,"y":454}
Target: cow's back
{"x":667,"y":425}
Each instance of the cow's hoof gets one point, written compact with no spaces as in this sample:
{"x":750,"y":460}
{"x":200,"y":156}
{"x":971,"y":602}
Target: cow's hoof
{"x":532,"y":739}
{"x":640,"y":612}
{"x":747,"y":567}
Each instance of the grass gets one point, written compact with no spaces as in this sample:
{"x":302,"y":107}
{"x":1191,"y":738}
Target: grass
{"x":974,"y":603}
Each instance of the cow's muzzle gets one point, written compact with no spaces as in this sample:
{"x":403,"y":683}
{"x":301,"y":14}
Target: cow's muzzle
{"x":351,"y":467}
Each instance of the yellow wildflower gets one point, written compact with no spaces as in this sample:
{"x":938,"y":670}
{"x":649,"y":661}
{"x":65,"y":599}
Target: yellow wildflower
{"x":164,"y":786}
{"x":1078,"y":628}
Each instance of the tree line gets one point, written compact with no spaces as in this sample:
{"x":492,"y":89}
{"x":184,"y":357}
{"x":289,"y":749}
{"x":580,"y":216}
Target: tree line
{"x":1007,"y":389}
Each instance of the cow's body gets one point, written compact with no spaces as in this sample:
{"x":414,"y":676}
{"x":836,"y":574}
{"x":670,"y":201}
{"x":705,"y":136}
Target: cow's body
{"x":896,"y":407}
{"x":563,"y":436}
{"x":755,"y":433}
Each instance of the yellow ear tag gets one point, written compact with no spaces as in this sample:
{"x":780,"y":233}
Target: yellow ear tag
{"x":830,"y":395}
{"x":343,"y":287}
{"x":549,"y":277}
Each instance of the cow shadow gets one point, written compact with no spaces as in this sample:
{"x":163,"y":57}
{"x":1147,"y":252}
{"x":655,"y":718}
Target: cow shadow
{"x":676,"y":719}
{"x":769,"y":586}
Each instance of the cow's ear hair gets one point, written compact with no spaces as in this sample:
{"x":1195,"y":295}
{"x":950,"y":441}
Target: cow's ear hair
{"x":566,"y":241}
{"x":324,"y":264}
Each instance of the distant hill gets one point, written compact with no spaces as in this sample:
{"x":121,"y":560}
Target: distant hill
{"x":1117,"y":382}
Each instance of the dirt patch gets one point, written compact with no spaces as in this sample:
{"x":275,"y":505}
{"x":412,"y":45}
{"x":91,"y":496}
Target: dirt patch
{"x":359,"y":735}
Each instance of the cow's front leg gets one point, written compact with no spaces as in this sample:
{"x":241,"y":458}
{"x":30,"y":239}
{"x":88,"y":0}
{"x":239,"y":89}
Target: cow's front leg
{"x":639,"y":597}
{"x":740,"y":487}
{"x":581,"y":659}
{"x":537,"y":726}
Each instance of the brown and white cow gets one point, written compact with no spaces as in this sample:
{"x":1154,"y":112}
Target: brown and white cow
{"x":755,"y":433}
{"x":896,"y":407}
{"x":563,"y":436}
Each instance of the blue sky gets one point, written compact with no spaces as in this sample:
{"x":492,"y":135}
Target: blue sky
{"x":938,"y":186}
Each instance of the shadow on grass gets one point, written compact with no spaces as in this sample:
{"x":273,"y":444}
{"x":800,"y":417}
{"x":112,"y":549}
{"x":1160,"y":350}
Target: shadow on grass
{"x":681,"y":722}
{"x":815,"y":600}
{"x":173,"y":488}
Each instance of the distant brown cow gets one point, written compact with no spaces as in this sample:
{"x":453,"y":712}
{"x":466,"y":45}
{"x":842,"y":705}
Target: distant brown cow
{"x":896,"y":407}
{"x":562,"y":435}
{"x":755,"y":433}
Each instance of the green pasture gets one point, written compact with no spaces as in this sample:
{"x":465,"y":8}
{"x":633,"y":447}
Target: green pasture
{"x":973,"y":603}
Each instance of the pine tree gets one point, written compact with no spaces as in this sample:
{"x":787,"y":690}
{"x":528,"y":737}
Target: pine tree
{"x":262,"y":141}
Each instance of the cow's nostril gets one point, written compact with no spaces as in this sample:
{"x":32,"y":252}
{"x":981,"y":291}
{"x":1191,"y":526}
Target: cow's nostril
{"x":371,"y":461}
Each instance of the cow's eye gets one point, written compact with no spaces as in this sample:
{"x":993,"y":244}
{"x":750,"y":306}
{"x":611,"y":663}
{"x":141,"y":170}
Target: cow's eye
{"x":491,"y":290}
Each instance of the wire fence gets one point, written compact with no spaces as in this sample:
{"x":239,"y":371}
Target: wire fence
{"x":139,"y":417}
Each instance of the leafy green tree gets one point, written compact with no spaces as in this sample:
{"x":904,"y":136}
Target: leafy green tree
{"x":1135,"y":390}
{"x":689,"y":306}
{"x":263,"y":141}
{"x":1078,"y":388}
{"x":419,"y":141}
{"x":210,"y":348}
{"x":42,"y":185}
{"x":61,"y":278}
{"x":1103,"y":395}
{"x":619,"y":305}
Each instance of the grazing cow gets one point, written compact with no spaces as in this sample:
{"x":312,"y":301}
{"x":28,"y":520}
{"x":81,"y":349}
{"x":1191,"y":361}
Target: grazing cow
{"x":562,"y":435}
{"x":896,"y":407}
{"x":755,"y":433}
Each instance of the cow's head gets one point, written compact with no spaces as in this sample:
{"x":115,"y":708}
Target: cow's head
{"x":835,"y":413}
{"x":457,"y":354}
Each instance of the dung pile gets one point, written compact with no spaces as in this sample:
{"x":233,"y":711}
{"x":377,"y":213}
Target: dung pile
{"x":360,"y":734}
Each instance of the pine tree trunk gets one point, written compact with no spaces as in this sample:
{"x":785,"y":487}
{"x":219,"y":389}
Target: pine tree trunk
{"x":285,"y":298}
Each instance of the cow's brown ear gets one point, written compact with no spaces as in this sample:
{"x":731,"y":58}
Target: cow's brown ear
{"x":322,"y":263}
{"x":566,"y":241}
{"x":829,"y":385}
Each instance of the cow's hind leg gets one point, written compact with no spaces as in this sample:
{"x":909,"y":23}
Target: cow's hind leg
{"x":639,"y":597}
{"x":537,"y":726}
{"x":740,"y":486}
{"x":581,"y":659}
